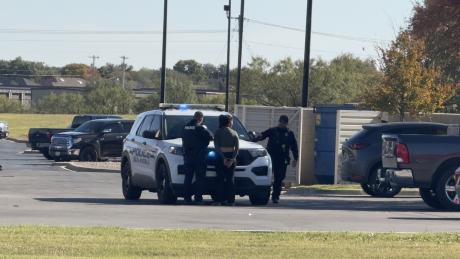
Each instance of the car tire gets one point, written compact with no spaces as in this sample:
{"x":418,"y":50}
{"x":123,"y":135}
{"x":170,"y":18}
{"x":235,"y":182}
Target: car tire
{"x":380,"y":190}
{"x":45,"y":152}
{"x":367,"y":189}
{"x":260,"y":198}
{"x":88,"y":154}
{"x":429,"y":197}
{"x":130,"y":192}
{"x":164,"y":189}
{"x":444,"y":188}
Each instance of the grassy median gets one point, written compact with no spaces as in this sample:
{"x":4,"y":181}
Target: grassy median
{"x":19,"y":124}
{"x":59,"y":242}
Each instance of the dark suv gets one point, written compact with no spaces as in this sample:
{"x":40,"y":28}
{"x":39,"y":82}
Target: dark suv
{"x":361,"y":154}
{"x":92,"y":141}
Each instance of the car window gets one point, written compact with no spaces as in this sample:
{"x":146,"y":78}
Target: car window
{"x":145,"y":125}
{"x":90,"y":127}
{"x":113,"y":128}
{"x":127,"y":125}
{"x":79,"y":120}
{"x":156,"y":123}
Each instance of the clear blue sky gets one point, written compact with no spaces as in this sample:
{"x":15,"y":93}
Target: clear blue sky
{"x":369,"y":19}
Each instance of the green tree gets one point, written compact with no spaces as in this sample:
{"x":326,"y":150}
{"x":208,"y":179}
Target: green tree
{"x":147,"y":103}
{"x":191,"y":68}
{"x":66,"y":103}
{"x":105,"y":98}
{"x":9,"y":106}
{"x":343,"y":80}
{"x":180,"y":92}
{"x":409,"y":85}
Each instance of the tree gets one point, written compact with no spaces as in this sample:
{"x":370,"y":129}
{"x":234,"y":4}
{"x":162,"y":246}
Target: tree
{"x":437,"y":23}
{"x":11,"y":106}
{"x":147,"y":103}
{"x":343,"y":80}
{"x":105,"y":98}
{"x":180,"y":92}
{"x":65,"y":103}
{"x":409,"y":84}
{"x":77,"y":70}
{"x":191,"y":68}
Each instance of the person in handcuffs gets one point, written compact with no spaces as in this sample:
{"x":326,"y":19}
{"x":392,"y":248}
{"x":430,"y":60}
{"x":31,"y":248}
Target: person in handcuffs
{"x":226,"y":143}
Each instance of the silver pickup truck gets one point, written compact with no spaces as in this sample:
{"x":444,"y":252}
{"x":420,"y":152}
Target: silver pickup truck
{"x":3,"y":129}
{"x":427,"y":162}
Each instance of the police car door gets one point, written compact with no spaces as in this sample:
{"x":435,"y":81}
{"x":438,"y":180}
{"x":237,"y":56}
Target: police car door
{"x":151,"y":150}
{"x":138,"y":152}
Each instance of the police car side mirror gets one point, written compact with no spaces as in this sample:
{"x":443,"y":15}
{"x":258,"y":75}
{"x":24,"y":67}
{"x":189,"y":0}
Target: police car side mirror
{"x":150,"y":134}
{"x":252,"y":136}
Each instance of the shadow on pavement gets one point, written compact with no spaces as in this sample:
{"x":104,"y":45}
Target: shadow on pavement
{"x":100,"y":201}
{"x":429,"y":219}
{"x":334,"y":204}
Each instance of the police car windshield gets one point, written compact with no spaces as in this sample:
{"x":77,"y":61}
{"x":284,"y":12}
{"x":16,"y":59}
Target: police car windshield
{"x":175,"y":124}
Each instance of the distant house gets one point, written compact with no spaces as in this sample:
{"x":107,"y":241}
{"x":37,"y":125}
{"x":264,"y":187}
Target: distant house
{"x":28,"y":91}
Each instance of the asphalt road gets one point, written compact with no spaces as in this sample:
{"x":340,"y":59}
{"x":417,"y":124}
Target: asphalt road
{"x":34,"y":192}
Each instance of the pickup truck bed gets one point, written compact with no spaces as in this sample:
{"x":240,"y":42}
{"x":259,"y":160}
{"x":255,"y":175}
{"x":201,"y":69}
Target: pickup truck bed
{"x":427,"y":162}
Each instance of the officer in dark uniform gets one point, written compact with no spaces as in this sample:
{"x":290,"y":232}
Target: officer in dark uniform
{"x":280,"y":141}
{"x":195,"y":140}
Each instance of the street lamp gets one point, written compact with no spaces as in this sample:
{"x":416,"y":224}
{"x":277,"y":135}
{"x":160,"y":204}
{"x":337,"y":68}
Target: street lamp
{"x":228,"y":10}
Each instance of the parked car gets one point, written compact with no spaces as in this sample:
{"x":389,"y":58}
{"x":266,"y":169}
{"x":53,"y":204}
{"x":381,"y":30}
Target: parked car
{"x":361,"y":154}
{"x":4,"y":129}
{"x":40,"y":138}
{"x":427,"y":162}
{"x":93,"y":141}
{"x":153,"y":158}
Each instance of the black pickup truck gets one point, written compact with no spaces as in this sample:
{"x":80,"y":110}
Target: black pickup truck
{"x":40,"y":138}
{"x":93,"y":141}
{"x":427,"y":162}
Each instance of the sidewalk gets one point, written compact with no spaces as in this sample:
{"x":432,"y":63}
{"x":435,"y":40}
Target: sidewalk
{"x":351,"y":190}
{"x":96,"y":167}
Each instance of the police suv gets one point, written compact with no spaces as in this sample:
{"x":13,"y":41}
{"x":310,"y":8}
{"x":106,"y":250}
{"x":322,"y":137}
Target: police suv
{"x":153,"y":157}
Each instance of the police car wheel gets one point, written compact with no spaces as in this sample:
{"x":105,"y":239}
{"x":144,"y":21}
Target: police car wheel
{"x":164,"y":190}
{"x":130,"y":192}
{"x":260,"y":198}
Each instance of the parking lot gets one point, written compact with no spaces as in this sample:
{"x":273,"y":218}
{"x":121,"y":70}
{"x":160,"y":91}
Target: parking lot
{"x":32,"y":191}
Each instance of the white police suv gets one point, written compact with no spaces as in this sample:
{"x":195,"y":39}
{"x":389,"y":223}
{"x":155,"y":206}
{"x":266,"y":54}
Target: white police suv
{"x":153,"y":157}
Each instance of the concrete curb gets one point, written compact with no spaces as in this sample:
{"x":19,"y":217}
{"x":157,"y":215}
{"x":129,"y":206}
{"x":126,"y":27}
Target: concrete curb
{"x":22,"y":141}
{"x":318,"y":192}
{"x":73,"y":167}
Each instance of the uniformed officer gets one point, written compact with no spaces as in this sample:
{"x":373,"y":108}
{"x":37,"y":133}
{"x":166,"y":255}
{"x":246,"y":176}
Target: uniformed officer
{"x":280,"y":141}
{"x":195,"y":140}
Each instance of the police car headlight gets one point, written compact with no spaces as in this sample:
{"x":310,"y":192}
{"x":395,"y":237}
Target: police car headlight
{"x":255,"y":153}
{"x":176,"y":151}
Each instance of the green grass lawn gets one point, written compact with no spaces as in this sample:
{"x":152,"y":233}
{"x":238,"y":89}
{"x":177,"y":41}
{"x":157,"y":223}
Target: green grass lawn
{"x":58,"y":242}
{"x":20,"y":124}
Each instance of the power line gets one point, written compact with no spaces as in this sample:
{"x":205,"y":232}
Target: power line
{"x":106,"y":32}
{"x":325,"y":34}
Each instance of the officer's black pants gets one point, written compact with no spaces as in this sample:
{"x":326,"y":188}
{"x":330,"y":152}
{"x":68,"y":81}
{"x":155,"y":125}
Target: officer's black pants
{"x":279,"y":173}
{"x":195,"y":165}
{"x":225,"y":179}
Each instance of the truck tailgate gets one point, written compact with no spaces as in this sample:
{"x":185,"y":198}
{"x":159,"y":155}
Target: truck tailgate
{"x":389,"y":144}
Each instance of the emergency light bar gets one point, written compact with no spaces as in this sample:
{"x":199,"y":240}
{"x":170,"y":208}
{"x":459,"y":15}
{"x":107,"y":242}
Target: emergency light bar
{"x":184,"y":107}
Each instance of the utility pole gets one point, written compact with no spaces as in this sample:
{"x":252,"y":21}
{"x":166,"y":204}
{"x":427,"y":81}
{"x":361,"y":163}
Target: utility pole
{"x":123,"y":64}
{"x":306,"y":67}
{"x":93,"y":68}
{"x":228,"y":9}
{"x":163,"y":61}
{"x":240,"y":51}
